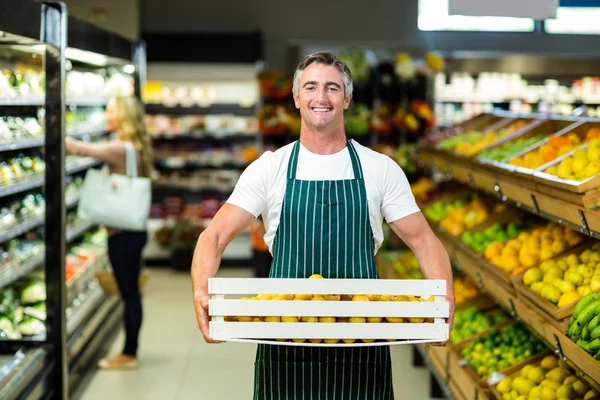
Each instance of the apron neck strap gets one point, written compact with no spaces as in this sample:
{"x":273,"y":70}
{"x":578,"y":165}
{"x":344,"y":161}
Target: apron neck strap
{"x":293,"y":163}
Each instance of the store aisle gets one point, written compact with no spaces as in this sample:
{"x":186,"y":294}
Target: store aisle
{"x":176,"y":364}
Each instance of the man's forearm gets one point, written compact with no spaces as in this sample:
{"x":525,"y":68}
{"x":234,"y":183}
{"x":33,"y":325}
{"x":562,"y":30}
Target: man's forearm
{"x":207,"y":258}
{"x":434,"y":261}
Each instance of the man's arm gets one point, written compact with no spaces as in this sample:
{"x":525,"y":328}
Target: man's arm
{"x":228,"y":223}
{"x":433,"y":258}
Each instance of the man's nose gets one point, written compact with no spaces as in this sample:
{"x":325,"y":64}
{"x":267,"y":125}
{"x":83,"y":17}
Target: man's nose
{"x":322,"y":94}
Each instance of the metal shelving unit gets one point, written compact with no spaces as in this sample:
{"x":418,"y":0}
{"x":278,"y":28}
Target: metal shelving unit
{"x":197,"y":110}
{"x":39,"y":367}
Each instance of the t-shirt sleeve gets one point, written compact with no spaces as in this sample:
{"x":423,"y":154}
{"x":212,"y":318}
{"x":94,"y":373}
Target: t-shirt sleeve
{"x":251,"y":189}
{"x":398,"y":200}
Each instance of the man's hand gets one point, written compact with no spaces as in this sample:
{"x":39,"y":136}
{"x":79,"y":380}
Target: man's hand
{"x":201,"y":306}
{"x":449,"y":320}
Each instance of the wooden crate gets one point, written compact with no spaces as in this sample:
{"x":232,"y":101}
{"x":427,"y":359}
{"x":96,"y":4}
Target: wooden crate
{"x":257,"y":332}
{"x":468,"y":385}
{"x":518,"y":192}
{"x":549,"y":310}
{"x":515,"y":373}
{"x":457,"y":392}
{"x":564,"y":210}
{"x":579,"y":357}
{"x":438,"y":356}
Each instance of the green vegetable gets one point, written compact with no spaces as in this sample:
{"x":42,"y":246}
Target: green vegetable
{"x":32,"y":327}
{"x":8,"y":330}
{"x":33,"y":293}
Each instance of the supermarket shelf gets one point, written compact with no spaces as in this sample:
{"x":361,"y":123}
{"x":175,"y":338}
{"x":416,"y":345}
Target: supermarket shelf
{"x":22,"y":144}
{"x":235,"y":109}
{"x":465,"y":260}
{"x":191,"y":187}
{"x":208,"y":138}
{"x":83,"y":306}
{"x":82,"y":133}
{"x":20,"y":371}
{"x":85,"y":341}
{"x":8,"y":276}
{"x":21,"y":228}
{"x":159,"y":163}
{"x":83,"y":102}
{"x":78,"y":229}
{"x":79,"y":166}
{"x":434,"y":372}
{"x":25,"y":101}
{"x":38,"y":180}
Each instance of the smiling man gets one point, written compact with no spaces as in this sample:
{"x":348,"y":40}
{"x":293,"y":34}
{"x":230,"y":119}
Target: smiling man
{"x":323,"y":200}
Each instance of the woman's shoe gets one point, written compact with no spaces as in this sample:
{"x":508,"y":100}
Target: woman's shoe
{"x":119,"y":362}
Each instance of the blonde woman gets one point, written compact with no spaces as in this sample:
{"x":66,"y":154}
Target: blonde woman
{"x":124,"y":117}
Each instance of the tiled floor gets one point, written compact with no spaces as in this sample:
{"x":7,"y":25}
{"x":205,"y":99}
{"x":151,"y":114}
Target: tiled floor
{"x":176,"y":364}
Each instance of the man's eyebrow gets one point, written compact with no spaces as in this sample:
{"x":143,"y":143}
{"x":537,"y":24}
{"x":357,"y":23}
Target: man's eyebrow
{"x":327,"y":84}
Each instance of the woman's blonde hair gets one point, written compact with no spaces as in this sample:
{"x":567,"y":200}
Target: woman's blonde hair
{"x":132,"y":128}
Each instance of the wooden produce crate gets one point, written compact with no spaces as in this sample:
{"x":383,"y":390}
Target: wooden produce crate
{"x":526,"y":173}
{"x":460,"y":377}
{"x":585,"y":189}
{"x":439,"y":357}
{"x":266,"y":332}
{"x":457,"y":392}
{"x":578,"y":357}
{"x":483,"y":382}
{"x":559,"y":317}
{"x":534,"y":362}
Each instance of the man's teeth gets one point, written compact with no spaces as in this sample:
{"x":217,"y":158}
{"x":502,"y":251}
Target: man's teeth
{"x":321,"y":109}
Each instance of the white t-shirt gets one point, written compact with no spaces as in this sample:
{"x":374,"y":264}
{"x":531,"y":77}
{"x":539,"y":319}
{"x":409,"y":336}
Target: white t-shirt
{"x":261,"y":187}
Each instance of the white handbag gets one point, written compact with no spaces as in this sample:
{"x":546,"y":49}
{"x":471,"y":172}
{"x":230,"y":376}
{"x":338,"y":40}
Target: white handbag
{"x":115,"y":200}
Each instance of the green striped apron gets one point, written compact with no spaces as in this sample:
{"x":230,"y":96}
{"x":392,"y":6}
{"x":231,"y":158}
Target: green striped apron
{"x":324,"y":229}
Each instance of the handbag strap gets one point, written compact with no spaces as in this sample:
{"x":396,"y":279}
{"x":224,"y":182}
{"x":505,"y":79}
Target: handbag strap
{"x":130,"y":159}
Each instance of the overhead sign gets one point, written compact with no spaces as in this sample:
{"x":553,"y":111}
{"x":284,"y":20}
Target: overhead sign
{"x":579,"y":3}
{"x":536,"y":9}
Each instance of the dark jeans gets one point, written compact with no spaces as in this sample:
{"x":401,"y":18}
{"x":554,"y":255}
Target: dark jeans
{"x":125,"y":253}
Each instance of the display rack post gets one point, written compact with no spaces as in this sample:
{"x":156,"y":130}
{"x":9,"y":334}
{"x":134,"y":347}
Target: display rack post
{"x":139,"y":61}
{"x":55,"y":33}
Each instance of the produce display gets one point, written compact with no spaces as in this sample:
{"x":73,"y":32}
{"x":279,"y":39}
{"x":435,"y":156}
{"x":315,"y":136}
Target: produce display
{"x":568,"y":279}
{"x":464,"y":290}
{"x":468,"y":216}
{"x":17,"y":128}
{"x":441,"y":209}
{"x":555,"y":147}
{"x":472,"y":321}
{"x":531,"y":247}
{"x":404,"y":263}
{"x":510,"y":148}
{"x":20,"y":167}
{"x":471,"y":143}
{"x":480,"y":241}
{"x":87,"y":119}
{"x":21,"y":82}
{"x":550,"y":379}
{"x":584,"y":325}
{"x":582,"y":165}
{"x":500,"y":349}
{"x":22,"y":309}
{"x":357,"y":120}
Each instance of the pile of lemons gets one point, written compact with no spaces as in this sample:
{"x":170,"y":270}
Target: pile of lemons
{"x":332,"y":297}
{"x":552,"y":379}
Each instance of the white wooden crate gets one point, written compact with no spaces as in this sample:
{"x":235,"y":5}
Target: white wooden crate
{"x":266,"y":332}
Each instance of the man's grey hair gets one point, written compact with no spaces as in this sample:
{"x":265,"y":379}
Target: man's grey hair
{"x":326,"y":58}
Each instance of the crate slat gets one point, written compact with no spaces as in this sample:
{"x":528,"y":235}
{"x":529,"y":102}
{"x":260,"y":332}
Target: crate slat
{"x":328,"y":308}
{"x":240,"y":286}
{"x":308,"y":330}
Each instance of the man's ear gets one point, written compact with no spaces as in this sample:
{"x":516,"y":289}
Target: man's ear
{"x":297,"y":101}
{"x":347,"y":101}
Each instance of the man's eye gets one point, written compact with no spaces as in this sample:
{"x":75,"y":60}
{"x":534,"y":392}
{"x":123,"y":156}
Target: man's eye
{"x":310,"y":88}
{"x":333,"y":89}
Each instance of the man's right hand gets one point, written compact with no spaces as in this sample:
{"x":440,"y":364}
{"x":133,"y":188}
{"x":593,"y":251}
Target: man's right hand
{"x":201,"y":306}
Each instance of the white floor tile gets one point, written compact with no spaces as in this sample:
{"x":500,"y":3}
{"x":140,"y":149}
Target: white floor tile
{"x":176,"y":363}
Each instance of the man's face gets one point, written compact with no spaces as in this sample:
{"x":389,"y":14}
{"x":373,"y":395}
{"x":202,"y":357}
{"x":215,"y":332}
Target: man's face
{"x":321,"y":97}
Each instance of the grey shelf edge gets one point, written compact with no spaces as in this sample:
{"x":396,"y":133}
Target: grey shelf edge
{"x":22,"y":144}
{"x":78,"y":134}
{"x":82,"y":102}
{"x":38,"y":181}
{"x":91,"y":330}
{"x":78,"y":229}
{"x":22,"y":374}
{"x":9,"y":277}
{"x":21,"y":228}
{"x":434,"y":372}
{"x":32,"y":101}
{"x":80,"y":313}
